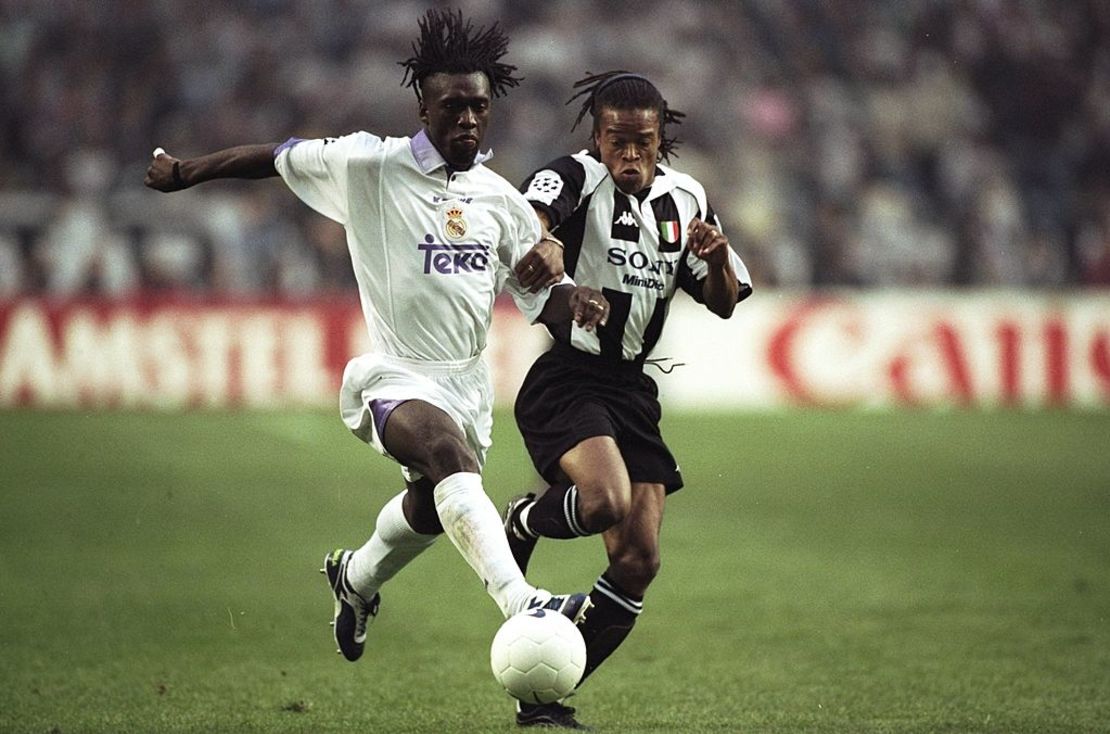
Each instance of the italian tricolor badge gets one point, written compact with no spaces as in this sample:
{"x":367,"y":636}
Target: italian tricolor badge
{"x":668,"y":231}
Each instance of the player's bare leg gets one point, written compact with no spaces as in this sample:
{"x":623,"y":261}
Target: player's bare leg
{"x":634,"y":559}
{"x":633,"y":549}
{"x":595,"y":496}
{"x":425,"y":439}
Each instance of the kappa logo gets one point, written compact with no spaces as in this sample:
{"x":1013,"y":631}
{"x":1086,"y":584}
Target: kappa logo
{"x":626,"y":219}
{"x":453,"y":259}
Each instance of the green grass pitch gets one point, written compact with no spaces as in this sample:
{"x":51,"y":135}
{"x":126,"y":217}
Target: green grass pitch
{"x":822,"y":572}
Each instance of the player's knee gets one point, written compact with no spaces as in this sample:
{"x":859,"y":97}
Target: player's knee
{"x":635,"y":568}
{"x":603,"y":508}
{"x":444,"y":455}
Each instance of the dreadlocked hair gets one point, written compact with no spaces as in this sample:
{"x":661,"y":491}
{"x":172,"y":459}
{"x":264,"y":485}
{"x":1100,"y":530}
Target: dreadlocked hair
{"x":449,"y":45}
{"x":623,"y":90}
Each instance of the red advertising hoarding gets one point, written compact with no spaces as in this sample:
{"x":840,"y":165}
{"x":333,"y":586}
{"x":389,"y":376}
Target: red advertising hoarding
{"x":869,"y":350}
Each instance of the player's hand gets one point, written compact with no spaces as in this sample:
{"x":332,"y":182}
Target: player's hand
{"x":589,"y":307}
{"x":164,"y":173}
{"x":707,"y":243}
{"x":542,"y":265}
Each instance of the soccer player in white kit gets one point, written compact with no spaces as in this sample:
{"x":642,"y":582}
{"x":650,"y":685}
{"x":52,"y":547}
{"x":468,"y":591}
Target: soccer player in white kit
{"x":433,"y":235}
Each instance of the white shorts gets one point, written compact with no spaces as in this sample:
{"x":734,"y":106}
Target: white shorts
{"x":375,"y":383}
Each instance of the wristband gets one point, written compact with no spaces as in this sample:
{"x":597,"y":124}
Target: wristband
{"x":549,"y":238}
{"x":177,"y":180}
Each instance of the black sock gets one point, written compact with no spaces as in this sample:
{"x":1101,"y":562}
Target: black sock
{"x":608,"y":621}
{"x":554,"y":514}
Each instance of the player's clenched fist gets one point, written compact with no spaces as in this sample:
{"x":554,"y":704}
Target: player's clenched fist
{"x":164,"y":172}
{"x":707,"y":242}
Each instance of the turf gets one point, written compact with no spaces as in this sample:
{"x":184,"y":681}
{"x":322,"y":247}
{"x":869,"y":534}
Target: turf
{"x":822,"y":572}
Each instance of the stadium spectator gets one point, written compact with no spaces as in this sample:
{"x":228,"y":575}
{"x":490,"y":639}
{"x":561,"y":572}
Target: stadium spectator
{"x":1094,"y":250}
{"x":82,"y":250}
{"x":12,"y":276}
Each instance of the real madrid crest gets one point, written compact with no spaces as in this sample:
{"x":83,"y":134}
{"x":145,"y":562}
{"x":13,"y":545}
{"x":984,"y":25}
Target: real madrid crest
{"x":454,"y":225}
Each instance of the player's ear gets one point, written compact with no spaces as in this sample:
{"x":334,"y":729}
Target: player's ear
{"x":421,"y":104}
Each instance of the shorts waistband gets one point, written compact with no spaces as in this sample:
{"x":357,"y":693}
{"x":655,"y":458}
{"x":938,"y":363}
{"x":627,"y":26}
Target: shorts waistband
{"x":595,"y":362}
{"x":432,"y":367}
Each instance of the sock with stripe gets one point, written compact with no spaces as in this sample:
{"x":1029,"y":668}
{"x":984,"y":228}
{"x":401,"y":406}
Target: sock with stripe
{"x":554,"y":514}
{"x":610,"y":619}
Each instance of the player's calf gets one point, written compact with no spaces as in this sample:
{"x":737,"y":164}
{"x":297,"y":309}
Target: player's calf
{"x":569,"y":512}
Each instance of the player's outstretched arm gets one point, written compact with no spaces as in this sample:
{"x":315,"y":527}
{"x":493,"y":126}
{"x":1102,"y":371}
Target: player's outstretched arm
{"x":721,"y":289}
{"x":586,"y":306}
{"x":167,"y":173}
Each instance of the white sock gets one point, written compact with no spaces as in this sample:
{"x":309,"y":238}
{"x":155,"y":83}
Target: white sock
{"x":392,"y":546}
{"x":473,"y":525}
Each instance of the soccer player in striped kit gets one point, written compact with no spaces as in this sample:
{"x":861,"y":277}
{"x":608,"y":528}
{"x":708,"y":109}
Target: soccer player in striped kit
{"x":433,"y":236}
{"x":639,"y":231}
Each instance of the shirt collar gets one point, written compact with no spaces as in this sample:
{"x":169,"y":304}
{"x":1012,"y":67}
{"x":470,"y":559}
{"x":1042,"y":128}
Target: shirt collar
{"x":661,"y":184}
{"x":429,"y":159}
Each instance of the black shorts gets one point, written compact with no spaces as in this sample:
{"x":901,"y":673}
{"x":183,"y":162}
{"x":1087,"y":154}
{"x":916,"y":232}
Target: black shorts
{"x":569,"y":396}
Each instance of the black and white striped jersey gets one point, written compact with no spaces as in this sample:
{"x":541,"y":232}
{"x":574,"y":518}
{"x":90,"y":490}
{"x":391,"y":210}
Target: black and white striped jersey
{"x":631,"y":248}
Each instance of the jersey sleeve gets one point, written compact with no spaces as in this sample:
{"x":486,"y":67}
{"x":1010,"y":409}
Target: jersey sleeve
{"x":521,"y":235}
{"x":316,"y":170}
{"x":556,"y":189}
{"x":692,"y":270}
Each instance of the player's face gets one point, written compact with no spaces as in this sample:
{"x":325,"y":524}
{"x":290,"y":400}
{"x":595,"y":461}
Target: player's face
{"x":455,"y":110}
{"x":628,"y":142}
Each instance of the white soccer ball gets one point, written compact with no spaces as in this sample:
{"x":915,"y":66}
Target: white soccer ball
{"x":538,"y":656}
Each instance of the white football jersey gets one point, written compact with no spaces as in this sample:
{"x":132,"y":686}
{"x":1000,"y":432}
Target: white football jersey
{"x":431,"y":247}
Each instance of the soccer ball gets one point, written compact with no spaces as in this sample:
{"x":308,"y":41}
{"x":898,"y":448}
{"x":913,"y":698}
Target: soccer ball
{"x":538,"y":656}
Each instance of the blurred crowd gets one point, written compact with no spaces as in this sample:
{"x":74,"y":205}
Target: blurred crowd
{"x":925,"y":143}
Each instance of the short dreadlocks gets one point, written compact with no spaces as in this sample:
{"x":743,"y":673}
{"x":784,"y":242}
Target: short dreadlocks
{"x":623,"y":90}
{"x":449,"y":45}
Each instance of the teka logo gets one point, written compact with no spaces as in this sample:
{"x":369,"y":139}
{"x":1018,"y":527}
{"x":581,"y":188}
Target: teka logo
{"x":455,"y":259}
